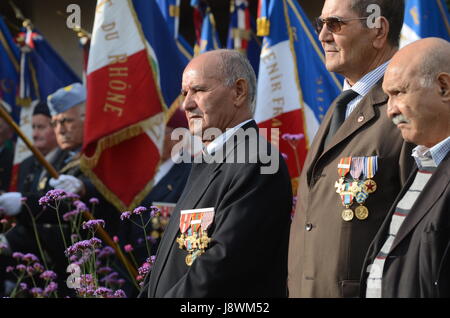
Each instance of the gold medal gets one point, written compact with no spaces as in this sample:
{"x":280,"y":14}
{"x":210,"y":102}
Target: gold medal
{"x":370,"y":186}
{"x":361,"y":212}
{"x":189,"y":260}
{"x":355,"y":188}
{"x":347,"y":215}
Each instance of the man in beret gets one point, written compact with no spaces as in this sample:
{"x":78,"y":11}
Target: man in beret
{"x":67,"y":108}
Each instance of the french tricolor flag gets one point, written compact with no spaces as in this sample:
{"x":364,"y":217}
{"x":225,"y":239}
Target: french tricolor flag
{"x":124,"y":125}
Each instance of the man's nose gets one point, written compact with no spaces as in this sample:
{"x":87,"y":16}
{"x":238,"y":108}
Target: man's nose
{"x":325,"y":35}
{"x":392,"y":108}
{"x":188,"y":102}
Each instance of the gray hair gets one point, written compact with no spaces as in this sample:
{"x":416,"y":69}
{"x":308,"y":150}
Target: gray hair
{"x":392,"y":10}
{"x":235,"y":65}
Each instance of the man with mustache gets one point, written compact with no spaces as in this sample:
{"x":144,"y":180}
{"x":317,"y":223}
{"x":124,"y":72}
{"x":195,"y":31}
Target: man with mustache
{"x":232,"y":218}
{"x":410,"y":255}
{"x":358,"y":161}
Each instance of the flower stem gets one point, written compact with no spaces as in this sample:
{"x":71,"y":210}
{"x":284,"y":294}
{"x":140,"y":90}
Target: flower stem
{"x":36,"y":235}
{"x":145,"y":236}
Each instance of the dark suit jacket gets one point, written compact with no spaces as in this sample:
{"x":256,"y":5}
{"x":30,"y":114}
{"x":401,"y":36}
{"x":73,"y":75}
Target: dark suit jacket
{"x":325,"y":252}
{"x":6,"y":164}
{"x":248,"y":252}
{"x":418,"y":264}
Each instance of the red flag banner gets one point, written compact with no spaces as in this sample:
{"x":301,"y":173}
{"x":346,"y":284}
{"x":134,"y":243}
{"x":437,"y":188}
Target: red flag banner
{"x":124,"y":126}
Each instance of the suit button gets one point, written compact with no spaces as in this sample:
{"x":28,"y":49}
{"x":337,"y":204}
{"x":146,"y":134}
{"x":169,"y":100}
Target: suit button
{"x":308,"y":227}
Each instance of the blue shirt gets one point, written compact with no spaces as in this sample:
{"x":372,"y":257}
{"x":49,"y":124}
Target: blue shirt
{"x":363,"y":86}
{"x":437,"y":152}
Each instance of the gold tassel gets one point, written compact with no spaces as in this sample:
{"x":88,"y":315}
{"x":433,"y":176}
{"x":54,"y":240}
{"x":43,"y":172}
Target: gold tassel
{"x":263,"y":26}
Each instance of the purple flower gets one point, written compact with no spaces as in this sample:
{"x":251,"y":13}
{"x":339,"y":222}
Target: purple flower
{"x":3,"y":221}
{"x":128,"y":248}
{"x":92,"y":224}
{"x":51,"y":196}
{"x":48,"y":275}
{"x":9,"y":269}
{"x":21,"y":268}
{"x":151,"y":260}
{"x":125,"y":215}
{"x":106,"y":251}
{"x":155,"y":211}
{"x":38,"y":267}
{"x":50,"y":288}
{"x":110,"y":278}
{"x":70,"y":215}
{"x":144,"y":269}
{"x":80,"y":206}
{"x":3,"y":246}
{"x":120,"y":294}
{"x":93,"y":201}
{"x":285,"y":156}
{"x":23,"y":199}
{"x":116,"y":239}
{"x":30,"y":258}
{"x":139,"y":210}
{"x":36,"y":291}
{"x":17,"y":255}
{"x":82,"y":245}
{"x":104,"y":270}
{"x":103,"y":292}
{"x":23,"y":286}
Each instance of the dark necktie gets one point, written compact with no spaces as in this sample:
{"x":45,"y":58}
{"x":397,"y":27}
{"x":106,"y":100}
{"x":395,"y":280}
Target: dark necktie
{"x":339,"y":112}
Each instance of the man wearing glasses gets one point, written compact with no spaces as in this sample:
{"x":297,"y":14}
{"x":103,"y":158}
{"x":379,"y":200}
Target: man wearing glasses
{"x":67,"y":109}
{"x":358,"y":161}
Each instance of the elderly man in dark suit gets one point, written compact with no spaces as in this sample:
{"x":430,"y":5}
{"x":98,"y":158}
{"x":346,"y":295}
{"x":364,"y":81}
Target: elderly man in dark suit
{"x":410,"y":256}
{"x":358,"y":161}
{"x":228,"y":234}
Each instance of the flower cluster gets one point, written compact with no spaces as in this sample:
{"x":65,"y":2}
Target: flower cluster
{"x":138,"y":211}
{"x":29,"y":267}
{"x":55,"y":195}
{"x":92,"y":224}
{"x":145,"y":269}
{"x":81,"y":246}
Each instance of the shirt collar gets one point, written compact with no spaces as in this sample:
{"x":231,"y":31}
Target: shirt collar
{"x":365,"y":83}
{"x":222,"y":139}
{"x":437,"y":153}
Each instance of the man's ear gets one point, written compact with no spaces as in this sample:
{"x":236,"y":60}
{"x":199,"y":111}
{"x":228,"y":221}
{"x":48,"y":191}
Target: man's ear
{"x":241,"y":92}
{"x":381,"y":27}
{"x":444,"y":86}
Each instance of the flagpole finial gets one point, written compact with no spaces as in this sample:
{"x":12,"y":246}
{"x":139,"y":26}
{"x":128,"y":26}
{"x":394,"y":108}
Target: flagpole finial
{"x":262,"y":26}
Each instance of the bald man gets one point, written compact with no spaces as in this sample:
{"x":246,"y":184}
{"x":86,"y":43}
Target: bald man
{"x":228,"y":234}
{"x":410,"y":255}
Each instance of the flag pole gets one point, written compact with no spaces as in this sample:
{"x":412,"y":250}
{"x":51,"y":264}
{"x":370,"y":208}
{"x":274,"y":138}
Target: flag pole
{"x":54,"y":174}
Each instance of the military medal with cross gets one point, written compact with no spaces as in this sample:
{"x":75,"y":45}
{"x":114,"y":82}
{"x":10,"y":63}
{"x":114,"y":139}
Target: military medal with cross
{"x":196,"y":222}
{"x":362,"y":170}
{"x":361,"y":212}
{"x":343,"y":188}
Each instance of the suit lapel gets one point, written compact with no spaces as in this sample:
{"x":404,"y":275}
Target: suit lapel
{"x":198,"y":181}
{"x":427,"y":198}
{"x":362,"y":115}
